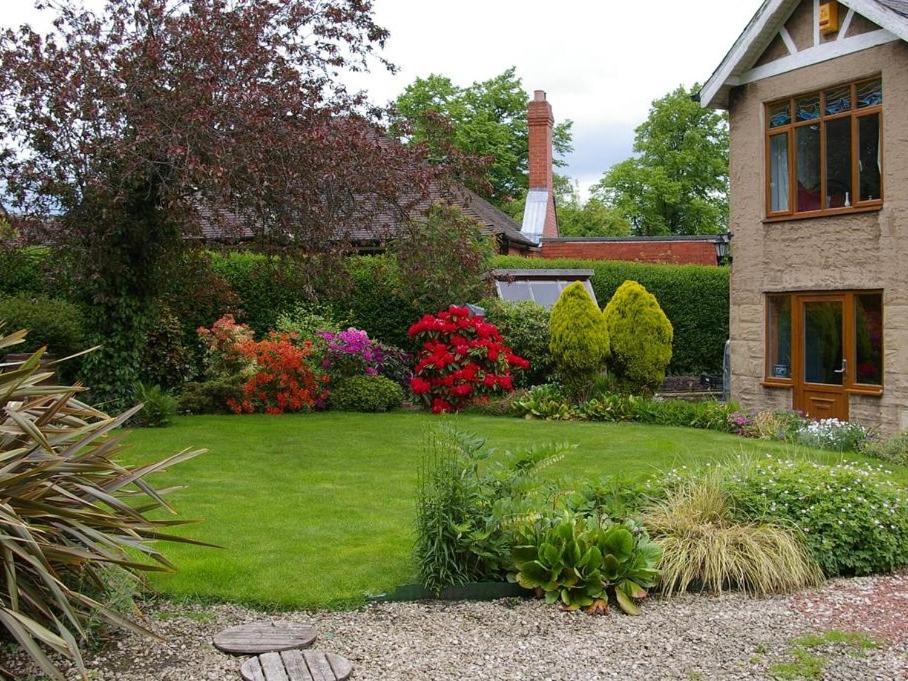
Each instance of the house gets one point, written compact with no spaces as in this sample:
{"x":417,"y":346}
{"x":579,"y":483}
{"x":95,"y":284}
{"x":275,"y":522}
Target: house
{"x":817,"y":94}
{"x":224,"y":226}
{"x":540,"y":217}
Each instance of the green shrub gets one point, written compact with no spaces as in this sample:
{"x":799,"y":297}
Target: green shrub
{"x":579,"y":563}
{"x":375,"y":300}
{"x":894,"y":449}
{"x":22,"y":271}
{"x":525,"y":327}
{"x":307,"y":319}
{"x":854,"y":517}
{"x":52,"y":322}
{"x":366,"y":393}
{"x":166,"y":361}
{"x":550,"y":402}
{"x":159,"y":407}
{"x":640,"y":338}
{"x":210,"y":397}
{"x":706,"y":414}
{"x":704,"y":546}
{"x":579,"y":340}
{"x":266,"y":286}
{"x":469,"y":507}
{"x":694,"y":298}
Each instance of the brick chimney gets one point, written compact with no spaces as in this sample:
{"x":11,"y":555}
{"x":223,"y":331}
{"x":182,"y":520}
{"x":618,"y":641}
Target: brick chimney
{"x":539,"y":215}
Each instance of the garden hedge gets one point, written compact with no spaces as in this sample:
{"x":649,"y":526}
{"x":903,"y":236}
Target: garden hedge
{"x":264,"y":288}
{"x":693,"y":297}
{"x":23,"y":271}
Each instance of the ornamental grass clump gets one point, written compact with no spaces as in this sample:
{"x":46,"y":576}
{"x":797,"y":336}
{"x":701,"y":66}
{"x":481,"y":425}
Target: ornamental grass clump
{"x":579,"y":340}
{"x":640,"y":336}
{"x":68,"y":512}
{"x":705,"y":547}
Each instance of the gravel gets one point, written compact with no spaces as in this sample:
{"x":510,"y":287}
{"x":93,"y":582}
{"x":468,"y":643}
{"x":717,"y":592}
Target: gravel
{"x":690,"y":637}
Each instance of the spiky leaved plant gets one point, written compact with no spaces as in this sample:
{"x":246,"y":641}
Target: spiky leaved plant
{"x":68,"y":511}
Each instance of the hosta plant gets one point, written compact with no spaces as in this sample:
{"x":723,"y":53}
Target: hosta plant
{"x":581,"y":564}
{"x":68,"y":512}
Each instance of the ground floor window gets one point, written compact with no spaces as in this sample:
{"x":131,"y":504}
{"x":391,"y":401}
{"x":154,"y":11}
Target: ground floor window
{"x":825,"y":346}
{"x":830,"y":339}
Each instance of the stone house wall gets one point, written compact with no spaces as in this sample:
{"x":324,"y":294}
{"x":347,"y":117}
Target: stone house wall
{"x":858,"y":251}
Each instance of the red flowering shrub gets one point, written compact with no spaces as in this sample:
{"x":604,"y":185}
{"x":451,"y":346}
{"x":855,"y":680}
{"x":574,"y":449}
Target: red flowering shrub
{"x":461,"y":357}
{"x":282,"y":380}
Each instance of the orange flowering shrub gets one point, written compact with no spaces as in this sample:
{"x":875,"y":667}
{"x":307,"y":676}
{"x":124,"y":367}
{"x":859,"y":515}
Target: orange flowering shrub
{"x":283,"y":380}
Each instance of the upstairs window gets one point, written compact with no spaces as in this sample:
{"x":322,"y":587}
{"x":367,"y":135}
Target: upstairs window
{"x":824,"y":151}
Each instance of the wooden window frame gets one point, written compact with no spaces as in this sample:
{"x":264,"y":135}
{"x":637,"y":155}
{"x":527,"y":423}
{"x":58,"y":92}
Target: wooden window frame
{"x":854,"y":113}
{"x":849,"y":349}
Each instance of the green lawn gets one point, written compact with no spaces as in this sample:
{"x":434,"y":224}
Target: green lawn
{"x":316,"y":510}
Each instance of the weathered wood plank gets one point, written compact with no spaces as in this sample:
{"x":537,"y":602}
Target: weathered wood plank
{"x":256,"y":638}
{"x":295,"y":665}
{"x":318,"y":666}
{"x":252,"y":670}
{"x":341,"y":666}
{"x":273,"y":667}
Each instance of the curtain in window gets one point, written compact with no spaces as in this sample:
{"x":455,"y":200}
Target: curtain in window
{"x":778,"y":153}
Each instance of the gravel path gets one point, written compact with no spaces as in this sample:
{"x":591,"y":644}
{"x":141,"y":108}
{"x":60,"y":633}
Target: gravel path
{"x":691,"y":637}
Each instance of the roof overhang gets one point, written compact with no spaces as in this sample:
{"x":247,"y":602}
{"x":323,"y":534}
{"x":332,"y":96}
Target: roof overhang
{"x":737,"y":68}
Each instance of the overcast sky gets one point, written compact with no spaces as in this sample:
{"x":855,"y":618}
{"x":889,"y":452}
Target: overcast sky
{"x":601,"y":62}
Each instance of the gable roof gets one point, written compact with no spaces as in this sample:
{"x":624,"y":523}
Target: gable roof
{"x":737,"y":67}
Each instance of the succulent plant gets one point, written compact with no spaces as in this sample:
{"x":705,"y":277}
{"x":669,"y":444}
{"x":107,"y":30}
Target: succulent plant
{"x":580,"y":564}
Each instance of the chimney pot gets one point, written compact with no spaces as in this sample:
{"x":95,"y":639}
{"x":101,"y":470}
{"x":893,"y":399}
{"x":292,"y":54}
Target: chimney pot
{"x":538,"y":95}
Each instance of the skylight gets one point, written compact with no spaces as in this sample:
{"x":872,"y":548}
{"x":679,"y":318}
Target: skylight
{"x":540,"y":286}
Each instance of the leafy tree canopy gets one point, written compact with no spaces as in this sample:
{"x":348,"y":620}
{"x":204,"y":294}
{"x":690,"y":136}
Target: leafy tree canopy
{"x":677,"y":183}
{"x":131,"y":124}
{"x":487,"y":119}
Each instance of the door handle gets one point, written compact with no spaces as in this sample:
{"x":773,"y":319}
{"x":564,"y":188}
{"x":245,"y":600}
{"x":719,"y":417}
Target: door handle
{"x":844,"y":367}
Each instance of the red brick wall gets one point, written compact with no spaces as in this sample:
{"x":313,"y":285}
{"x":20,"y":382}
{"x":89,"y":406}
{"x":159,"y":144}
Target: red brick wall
{"x":666,"y":252}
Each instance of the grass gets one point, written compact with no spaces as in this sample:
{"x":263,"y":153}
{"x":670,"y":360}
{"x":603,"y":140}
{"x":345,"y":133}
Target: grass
{"x":316,"y":510}
{"x":805,"y":663}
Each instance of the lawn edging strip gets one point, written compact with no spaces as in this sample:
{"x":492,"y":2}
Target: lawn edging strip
{"x":473,"y":591}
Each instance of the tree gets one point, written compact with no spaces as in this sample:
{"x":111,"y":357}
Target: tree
{"x":641,"y":338}
{"x":486,"y":120}
{"x":579,"y":339}
{"x":442,"y":260}
{"x":126,"y":128}
{"x":586,"y":218}
{"x":678,"y":181}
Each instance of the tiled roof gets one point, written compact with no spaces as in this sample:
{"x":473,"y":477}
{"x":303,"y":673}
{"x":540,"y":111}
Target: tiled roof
{"x":224,"y":225}
{"x":897,"y":6}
